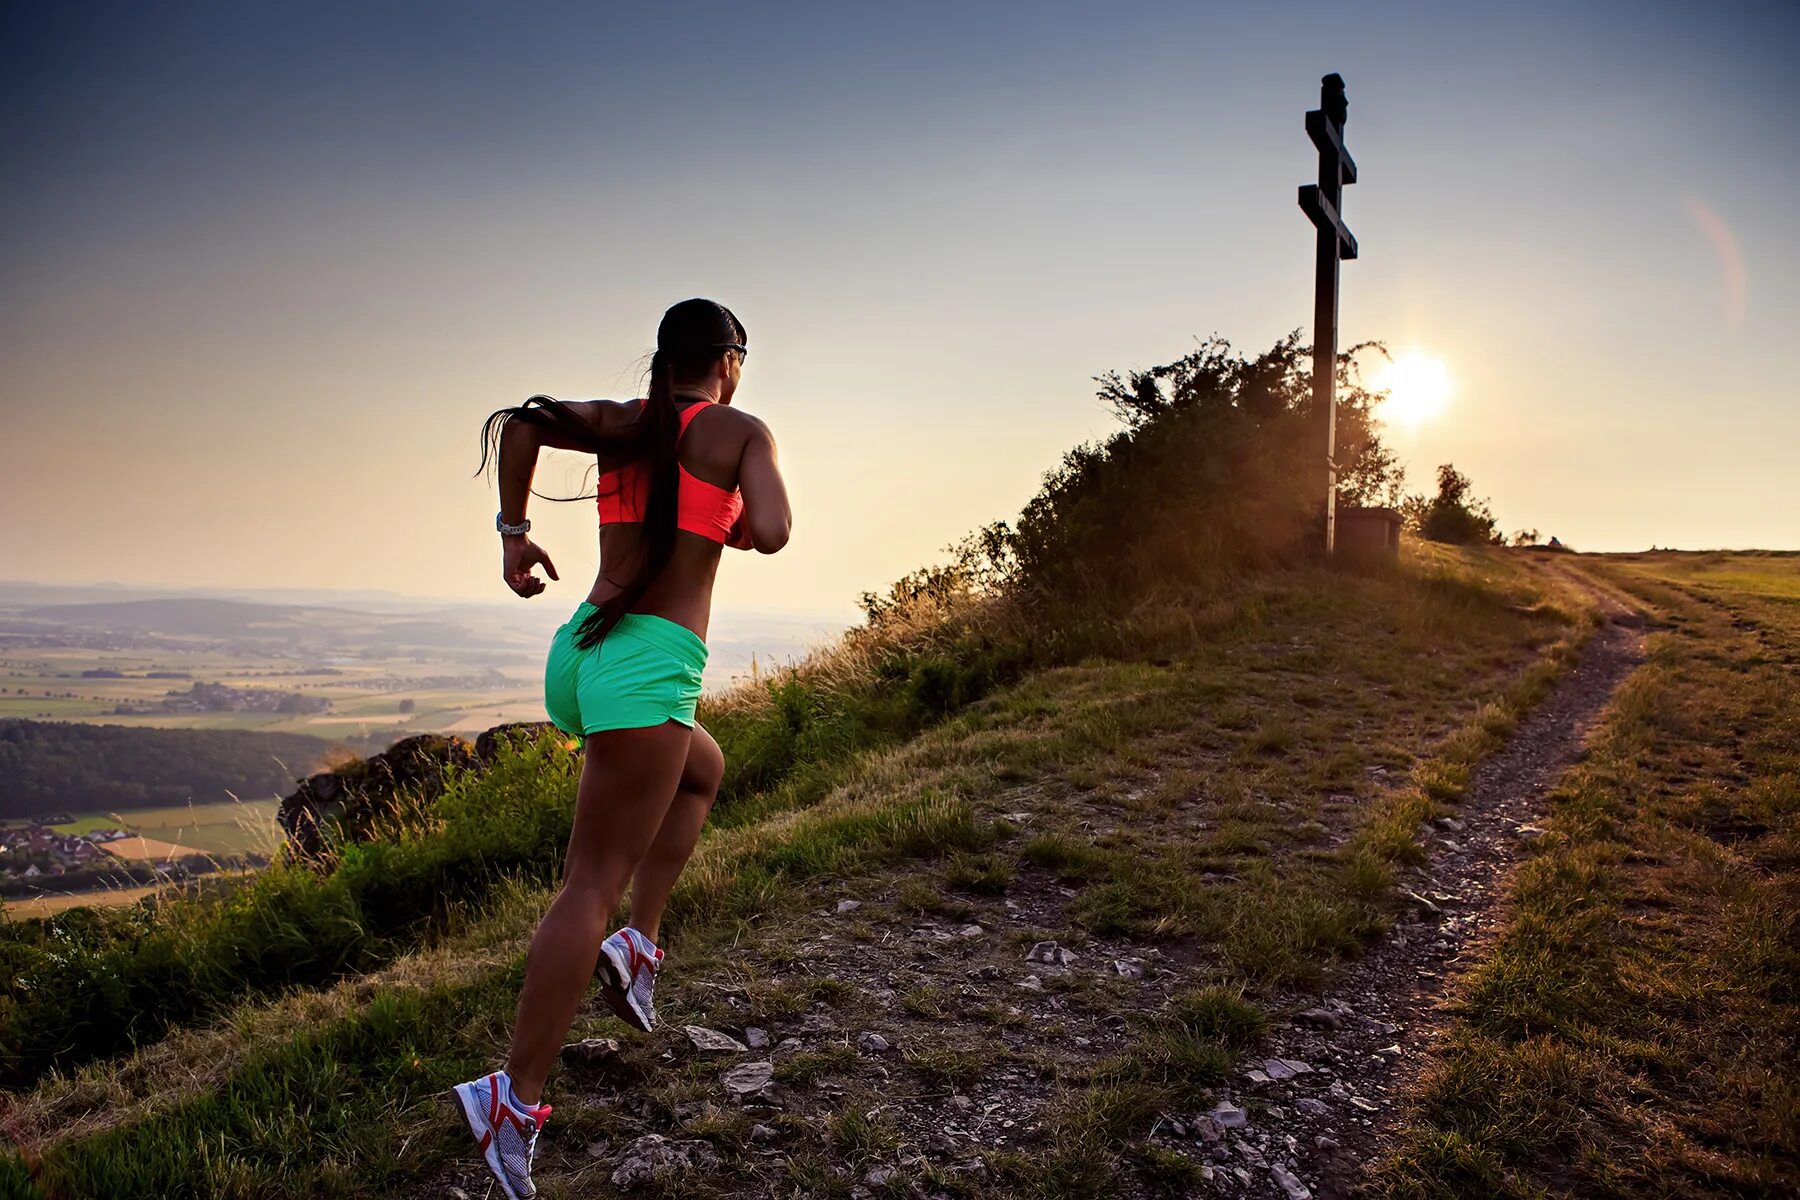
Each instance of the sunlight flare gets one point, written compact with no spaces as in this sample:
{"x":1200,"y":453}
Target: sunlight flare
{"x":1418,"y":386}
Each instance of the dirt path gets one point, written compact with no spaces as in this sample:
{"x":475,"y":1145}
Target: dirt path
{"x":1366,"y":1040}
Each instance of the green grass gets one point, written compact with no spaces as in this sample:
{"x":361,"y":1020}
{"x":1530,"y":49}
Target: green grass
{"x":1632,"y":1033}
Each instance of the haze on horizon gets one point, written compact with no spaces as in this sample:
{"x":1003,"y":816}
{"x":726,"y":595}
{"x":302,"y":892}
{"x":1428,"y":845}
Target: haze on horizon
{"x":268,"y":269}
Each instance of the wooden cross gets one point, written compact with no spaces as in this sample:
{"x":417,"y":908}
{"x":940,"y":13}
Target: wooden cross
{"x":1324,"y":203}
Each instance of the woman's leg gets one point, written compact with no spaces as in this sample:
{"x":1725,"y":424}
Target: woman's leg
{"x":661,"y":867}
{"x":628,"y":779}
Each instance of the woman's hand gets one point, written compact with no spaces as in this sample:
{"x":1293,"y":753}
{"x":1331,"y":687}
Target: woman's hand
{"x":519,"y":555}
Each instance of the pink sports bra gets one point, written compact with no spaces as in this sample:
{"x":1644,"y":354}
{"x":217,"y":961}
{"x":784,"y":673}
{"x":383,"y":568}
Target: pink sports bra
{"x":701,"y":507}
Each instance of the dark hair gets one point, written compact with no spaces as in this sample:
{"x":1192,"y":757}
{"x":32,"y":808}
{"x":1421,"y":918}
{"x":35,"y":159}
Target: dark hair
{"x":691,"y":337}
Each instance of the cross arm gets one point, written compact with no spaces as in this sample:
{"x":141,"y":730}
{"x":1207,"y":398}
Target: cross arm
{"x":1329,"y":138}
{"x":1324,"y":217}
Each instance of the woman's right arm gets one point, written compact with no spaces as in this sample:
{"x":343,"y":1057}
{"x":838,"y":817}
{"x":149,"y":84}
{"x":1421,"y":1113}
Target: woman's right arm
{"x":520,"y":441}
{"x":767,"y":519}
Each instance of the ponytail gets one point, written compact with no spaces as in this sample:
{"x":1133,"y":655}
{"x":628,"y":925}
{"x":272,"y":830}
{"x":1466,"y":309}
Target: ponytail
{"x":662,"y":427}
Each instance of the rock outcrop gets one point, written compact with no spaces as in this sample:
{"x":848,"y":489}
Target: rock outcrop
{"x":379,"y":795}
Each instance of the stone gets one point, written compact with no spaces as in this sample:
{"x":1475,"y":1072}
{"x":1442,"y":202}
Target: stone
{"x":1290,"y":1183}
{"x":456,"y":1193}
{"x":1128,"y":968}
{"x":756,"y":1039}
{"x":1311,"y":1107}
{"x":985,"y":971}
{"x":711,"y":1041}
{"x":1390,"y":1051}
{"x":878,"y":1176}
{"x":1325,"y":1143}
{"x":1051,"y":953}
{"x":870,"y":1042}
{"x":971,"y":931}
{"x":1450,"y":823}
{"x":848,"y":906}
{"x":1286,"y":1068}
{"x":1365,"y":1105}
{"x":762,"y":1133}
{"x":1032,"y":983}
{"x":1423,"y":903}
{"x":1322,"y":1017}
{"x":1529,"y":833}
{"x":359,"y":800}
{"x":653,"y":1156}
{"x":593,"y":1054}
{"x":788,"y":1045}
{"x":748,"y":1078}
{"x":1229,"y":1115}
{"x":961,"y":1103}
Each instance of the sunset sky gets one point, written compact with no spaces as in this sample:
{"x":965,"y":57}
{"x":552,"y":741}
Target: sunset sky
{"x":268,"y":267}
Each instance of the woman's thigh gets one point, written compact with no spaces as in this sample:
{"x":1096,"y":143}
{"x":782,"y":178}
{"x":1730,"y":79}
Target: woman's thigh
{"x":628,"y":779}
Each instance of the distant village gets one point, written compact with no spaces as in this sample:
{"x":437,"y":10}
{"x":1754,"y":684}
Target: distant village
{"x":37,"y":857}
{"x":218,"y":697}
{"x":34,"y":851}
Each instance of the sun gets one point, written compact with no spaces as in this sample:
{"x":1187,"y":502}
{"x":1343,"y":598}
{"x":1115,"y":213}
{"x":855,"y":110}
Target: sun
{"x":1417,"y":386}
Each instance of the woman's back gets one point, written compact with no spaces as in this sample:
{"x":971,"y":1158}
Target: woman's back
{"x":710,"y":452}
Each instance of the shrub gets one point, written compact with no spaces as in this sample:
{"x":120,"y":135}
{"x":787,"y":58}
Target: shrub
{"x":1451,"y":516}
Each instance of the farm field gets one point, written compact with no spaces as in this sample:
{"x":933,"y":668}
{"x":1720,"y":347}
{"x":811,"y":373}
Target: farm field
{"x":365,"y":695}
{"x":50,"y":905}
{"x":227,"y":827}
{"x":442,"y":692}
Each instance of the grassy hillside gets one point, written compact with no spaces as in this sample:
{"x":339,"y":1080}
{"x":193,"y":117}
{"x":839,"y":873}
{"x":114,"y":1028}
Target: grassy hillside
{"x":1635,"y":1030}
{"x":1146,"y":730}
{"x":1246,"y":792}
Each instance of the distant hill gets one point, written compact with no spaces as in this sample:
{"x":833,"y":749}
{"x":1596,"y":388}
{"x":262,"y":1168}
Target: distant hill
{"x":244,"y":621}
{"x":45,"y":766}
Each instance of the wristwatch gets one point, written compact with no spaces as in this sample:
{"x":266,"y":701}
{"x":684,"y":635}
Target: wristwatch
{"x":523,"y":526}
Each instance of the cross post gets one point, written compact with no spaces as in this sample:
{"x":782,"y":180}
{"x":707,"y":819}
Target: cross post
{"x":1323,"y":202}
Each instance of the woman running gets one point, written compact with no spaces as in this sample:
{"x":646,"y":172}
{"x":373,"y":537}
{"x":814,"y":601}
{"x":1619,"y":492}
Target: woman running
{"x":682,"y":474}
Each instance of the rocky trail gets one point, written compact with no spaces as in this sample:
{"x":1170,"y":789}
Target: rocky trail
{"x":1327,"y":1084}
{"x":894,"y":1044}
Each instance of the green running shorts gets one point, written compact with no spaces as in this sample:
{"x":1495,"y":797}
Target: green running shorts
{"x":644,"y":672}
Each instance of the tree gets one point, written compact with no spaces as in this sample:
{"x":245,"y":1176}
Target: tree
{"x":1452,"y":516}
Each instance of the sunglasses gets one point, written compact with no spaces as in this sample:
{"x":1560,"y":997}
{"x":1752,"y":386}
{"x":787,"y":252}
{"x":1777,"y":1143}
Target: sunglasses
{"x":743,"y":350}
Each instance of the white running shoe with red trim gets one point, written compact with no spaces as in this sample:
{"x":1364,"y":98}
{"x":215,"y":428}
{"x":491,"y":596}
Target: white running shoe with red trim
{"x":507,"y":1137}
{"x":628,"y":965}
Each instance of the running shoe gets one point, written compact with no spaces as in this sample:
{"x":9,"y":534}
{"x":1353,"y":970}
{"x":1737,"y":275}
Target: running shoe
{"x":506,"y":1132}
{"x":628,"y":965}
